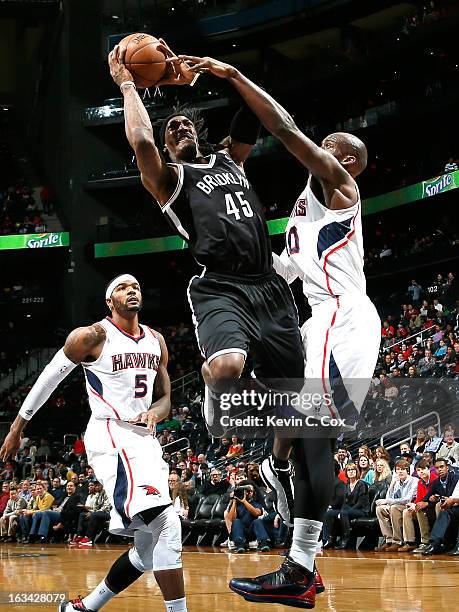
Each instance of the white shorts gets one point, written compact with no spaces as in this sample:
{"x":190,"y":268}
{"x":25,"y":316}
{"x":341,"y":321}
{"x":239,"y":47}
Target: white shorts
{"x":127,"y":460}
{"x":341,"y":342}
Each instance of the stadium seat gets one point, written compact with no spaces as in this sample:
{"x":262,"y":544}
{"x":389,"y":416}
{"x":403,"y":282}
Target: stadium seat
{"x":368,"y":526}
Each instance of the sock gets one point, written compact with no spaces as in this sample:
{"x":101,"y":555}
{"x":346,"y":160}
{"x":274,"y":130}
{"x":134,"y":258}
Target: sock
{"x":306,"y":535}
{"x":99,"y":597}
{"x":280,"y":464}
{"x":176,"y":605}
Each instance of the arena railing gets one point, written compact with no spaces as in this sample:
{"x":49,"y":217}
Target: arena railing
{"x":253,"y":454}
{"x":30,"y":365}
{"x":387,"y":349}
{"x":177,"y":445}
{"x":184,"y":381}
{"x":391,"y":433}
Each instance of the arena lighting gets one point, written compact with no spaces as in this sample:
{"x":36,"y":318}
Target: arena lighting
{"x":406,"y":195}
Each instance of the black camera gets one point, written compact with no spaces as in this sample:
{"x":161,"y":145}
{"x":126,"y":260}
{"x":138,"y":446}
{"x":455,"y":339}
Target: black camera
{"x":239,"y":492}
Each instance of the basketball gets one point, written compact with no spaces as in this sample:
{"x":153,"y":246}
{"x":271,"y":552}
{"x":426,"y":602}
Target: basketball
{"x":143,"y":59}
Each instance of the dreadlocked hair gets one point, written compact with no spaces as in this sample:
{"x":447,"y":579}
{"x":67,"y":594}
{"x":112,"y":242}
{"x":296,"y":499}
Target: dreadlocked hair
{"x":194,"y":115}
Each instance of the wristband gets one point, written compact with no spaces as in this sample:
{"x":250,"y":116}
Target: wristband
{"x":124,"y":83}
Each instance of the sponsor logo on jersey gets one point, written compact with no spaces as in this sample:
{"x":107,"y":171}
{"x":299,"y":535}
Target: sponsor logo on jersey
{"x":150,"y":490}
{"x":124,"y":361}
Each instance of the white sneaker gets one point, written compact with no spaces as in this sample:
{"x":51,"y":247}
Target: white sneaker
{"x":225,"y":544}
{"x":231,"y":545}
{"x":280,"y":481}
{"x":253,"y":545}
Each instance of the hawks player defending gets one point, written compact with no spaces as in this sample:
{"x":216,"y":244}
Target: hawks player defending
{"x":125,"y":367}
{"x":325,"y":250}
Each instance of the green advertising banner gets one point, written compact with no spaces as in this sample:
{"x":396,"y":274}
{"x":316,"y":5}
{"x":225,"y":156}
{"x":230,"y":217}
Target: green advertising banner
{"x":406,"y":195}
{"x":34,"y":241}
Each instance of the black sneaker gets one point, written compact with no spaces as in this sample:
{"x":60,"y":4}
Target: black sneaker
{"x":263,"y":546}
{"x":290,"y":585}
{"x":211,"y":411}
{"x":280,"y":481}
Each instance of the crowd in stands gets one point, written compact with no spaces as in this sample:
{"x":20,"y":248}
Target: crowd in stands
{"x":411,"y":498}
{"x":20,"y":213}
{"x":423,"y":340}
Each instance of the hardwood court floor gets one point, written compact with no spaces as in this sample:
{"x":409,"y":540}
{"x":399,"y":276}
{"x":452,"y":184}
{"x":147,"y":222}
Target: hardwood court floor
{"x":357,"y":582}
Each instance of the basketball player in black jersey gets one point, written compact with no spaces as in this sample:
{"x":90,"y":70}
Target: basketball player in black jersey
{"x":238,"y":302}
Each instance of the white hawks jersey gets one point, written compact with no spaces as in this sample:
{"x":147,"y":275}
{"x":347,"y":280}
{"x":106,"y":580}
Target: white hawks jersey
{"x":120,"y":382}
{"x":324,"y":248}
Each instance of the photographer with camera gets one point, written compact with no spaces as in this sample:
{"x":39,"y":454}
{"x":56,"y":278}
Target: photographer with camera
{"x":243,"y":512}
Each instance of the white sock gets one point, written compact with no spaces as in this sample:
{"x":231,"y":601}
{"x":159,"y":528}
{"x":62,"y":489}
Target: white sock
{"x":176,"y":605}
{"x":306,"y":535}
{"x":99,"y":597}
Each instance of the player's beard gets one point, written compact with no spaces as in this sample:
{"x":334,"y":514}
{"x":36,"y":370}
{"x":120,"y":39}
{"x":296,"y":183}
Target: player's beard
{"x":188,"y":151}
{"x":126,"y":307}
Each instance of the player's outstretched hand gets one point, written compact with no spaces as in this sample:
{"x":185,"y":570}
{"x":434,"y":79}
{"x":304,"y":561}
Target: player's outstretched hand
{"x":178,"y":72}
{"x":148,"y":418}
{"x":208,"y":64}
{"x":118,"y":70}
{"x":10,"y":446}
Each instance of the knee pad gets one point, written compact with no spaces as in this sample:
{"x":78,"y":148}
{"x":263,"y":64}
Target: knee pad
{"x":158,"y":547}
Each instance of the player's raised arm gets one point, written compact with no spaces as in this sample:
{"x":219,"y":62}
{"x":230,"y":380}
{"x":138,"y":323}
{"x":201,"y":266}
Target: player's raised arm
{"x":80,"y":345}
{"x":157,"y":177}
{"x":277,"y":120}
{"x":244,"y":131}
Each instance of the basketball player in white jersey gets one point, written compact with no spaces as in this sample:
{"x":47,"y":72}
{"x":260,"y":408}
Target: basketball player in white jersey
{"x":325,"y":250}
{"x":125,"y":367}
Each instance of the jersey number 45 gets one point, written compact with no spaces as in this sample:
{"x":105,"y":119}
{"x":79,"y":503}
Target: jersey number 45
{"x":232,"y":207}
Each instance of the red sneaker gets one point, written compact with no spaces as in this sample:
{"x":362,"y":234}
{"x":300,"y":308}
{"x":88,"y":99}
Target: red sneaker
{"x":318,"y":582}
{"x":75,"y":540}
{"x":85,"y":542}
{"x":290,"y":585}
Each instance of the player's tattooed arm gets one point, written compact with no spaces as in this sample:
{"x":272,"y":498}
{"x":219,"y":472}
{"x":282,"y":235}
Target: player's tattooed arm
{"x":158,"y":178}
{"x":161,"y":405}
{"x":280,"y":123}
{"x":85,"y":343}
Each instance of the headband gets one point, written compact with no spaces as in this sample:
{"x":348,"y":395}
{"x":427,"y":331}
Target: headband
{"x":122,"y":278}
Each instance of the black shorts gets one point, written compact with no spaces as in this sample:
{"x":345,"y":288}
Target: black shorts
{"x":238,"y":315}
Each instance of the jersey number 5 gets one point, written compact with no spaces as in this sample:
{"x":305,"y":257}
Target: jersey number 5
{"x":140,"y":385}
{"x":293,"y":241}
{"x":232,"y":209}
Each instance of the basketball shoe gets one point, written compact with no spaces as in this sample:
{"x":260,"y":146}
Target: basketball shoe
{"x":290,"y":585}
{"x":280,"y":481}
{"x":212,"y":412}
{"x":73,"y":604}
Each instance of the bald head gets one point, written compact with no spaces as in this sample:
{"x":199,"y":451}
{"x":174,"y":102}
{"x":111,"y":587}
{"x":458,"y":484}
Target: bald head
{"x":349,"y":150}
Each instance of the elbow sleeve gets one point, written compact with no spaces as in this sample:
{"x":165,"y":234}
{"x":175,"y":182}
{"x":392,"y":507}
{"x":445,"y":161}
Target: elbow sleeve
{"x":56,"y":370}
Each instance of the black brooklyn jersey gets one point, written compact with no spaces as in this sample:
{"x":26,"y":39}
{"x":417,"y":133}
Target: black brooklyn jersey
{"x":215,"y":209}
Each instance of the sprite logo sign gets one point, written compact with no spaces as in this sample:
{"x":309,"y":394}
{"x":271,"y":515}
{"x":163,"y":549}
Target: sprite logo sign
{"x":44,"y":240}
{"x":439,"y":185}
{"x":34,"y":241}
